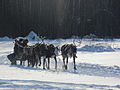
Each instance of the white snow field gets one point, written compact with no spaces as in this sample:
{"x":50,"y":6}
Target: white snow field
{"x":98,"y":68}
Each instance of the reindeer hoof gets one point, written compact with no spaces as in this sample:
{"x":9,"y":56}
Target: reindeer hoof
{"x":39,"y":64}
{"x":75,"y":68}
{"x":66,"y":67}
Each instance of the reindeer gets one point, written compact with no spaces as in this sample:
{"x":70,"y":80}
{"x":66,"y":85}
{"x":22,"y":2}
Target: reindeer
{"x":70,"y":50}
{"x":52,"y":52}
{"x":29,"y":55}
{"x":40,"y":51}
{"x":46,"y":51}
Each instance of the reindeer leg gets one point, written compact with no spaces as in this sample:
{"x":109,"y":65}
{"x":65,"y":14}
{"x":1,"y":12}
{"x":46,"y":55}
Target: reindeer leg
{"x":23,"y":63}
{"x":15,"y":63}
{"x":40,"y":61}
{"x":55,"y":62}
{"x":20,"y":62}
{"x":66,"y":63}
{"x":28,"y":62}
{"x":74,"y":63}
{"x":33,"y":62}
{"x":44,"y":63}
{"x":48,"y":63}
{"x":36,"y":61}
{"x":63,"y":62}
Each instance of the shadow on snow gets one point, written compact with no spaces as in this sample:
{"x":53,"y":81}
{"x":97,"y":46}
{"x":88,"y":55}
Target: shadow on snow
{"x":83,"y":69}
{"x":33,"y":84}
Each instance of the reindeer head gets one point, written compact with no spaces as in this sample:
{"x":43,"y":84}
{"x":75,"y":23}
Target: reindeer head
{"x":21,"y":42}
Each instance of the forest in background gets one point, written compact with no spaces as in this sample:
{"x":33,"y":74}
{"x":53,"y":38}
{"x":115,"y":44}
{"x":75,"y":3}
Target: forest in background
{"x":60,"y":18}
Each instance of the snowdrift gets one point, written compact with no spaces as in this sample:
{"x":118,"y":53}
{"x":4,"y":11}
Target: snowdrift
{"x":96,"y":48}
{"x":5,"y":39}
{"x":32,"y":36}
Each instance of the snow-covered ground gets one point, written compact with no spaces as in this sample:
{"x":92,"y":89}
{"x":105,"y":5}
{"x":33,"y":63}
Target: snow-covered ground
{"x":98,"y":68}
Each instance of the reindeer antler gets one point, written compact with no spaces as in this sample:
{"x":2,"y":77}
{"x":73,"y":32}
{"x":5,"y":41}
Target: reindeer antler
{"x":42,"y":38}
{"x":78,"y":41}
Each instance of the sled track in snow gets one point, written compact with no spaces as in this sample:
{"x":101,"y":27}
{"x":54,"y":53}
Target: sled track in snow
{"x":82,"y":69}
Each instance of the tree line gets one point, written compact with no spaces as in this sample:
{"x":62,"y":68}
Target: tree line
{"x":60,"y":18}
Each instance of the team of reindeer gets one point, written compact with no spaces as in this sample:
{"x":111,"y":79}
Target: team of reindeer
{"x":41,"y":51}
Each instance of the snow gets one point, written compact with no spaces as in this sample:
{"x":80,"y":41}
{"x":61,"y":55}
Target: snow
{"x":5,"y":38}
{"x":98,"y":68}
{"x":32,"y":36}
{"x":28,"y":78}
{"x":96,"y":48}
